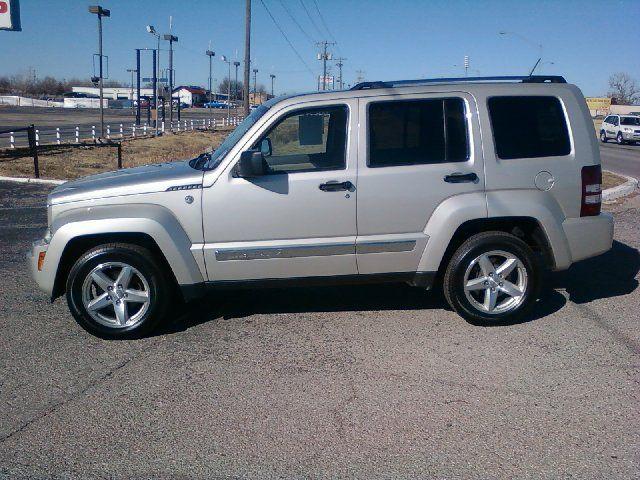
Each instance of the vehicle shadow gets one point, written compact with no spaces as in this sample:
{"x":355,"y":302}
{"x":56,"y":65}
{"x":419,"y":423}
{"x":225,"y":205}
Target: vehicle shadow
{"x":608,"y":275}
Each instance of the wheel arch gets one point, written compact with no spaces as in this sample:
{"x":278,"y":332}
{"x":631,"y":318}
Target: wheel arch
{"x":158,"y":231}
{"x":528,"y":229}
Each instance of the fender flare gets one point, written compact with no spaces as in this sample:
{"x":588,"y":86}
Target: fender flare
{"x":153,"y":220}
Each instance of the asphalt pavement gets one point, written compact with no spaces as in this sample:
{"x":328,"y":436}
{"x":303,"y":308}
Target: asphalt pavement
{"x":624,"y":159}
{"x":367,"y":381}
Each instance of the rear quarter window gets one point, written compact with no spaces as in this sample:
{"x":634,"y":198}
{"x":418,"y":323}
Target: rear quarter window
{"x":529,"y":127}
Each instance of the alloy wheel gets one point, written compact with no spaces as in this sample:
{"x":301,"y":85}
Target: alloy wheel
{"x":116,"y":295}
{"x":495,"y":282}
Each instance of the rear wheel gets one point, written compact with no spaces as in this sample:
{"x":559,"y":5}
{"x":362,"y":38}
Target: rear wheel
{"x":492,"y":278}
{"x":603,"y":136}
{"x":118,"y":291}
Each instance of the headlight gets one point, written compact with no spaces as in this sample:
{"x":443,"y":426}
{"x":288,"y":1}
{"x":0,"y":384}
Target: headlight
{"x":47,"y":236}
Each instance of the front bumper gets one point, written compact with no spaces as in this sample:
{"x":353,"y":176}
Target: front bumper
{"x":588,"y":236}
{"x":42,"y":277}
{"x":631,"y":136}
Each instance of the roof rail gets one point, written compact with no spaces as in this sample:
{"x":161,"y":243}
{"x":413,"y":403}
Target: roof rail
{"x":423,"y":81}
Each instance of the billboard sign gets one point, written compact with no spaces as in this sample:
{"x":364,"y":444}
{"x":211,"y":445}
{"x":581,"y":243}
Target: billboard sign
{"x":10,"y":15}
{"x":598,"y":103}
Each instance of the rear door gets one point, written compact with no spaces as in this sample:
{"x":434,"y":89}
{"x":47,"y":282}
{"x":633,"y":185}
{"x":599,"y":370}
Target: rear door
{"x":415,"y":151}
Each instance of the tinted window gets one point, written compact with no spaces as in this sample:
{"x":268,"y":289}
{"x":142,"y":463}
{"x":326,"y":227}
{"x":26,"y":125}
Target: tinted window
{"x":417,"y":132}
{"x":526,"y":127}
{"x":630,"y":121}
{"x":306,"y":140}
{"x":607,"y":120}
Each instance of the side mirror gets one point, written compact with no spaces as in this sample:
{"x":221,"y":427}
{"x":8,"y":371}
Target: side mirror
{"x":251,"y":164}
{"x":265,"y":147}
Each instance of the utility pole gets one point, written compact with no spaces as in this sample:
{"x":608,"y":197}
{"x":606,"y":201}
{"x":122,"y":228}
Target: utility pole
{"x":101,"y":12}
{"x":209,"y":53}
{"x":359,"y":76}
{"x":324,"y":56}
{"x":466,"y":65}
{"x":340,"y":65}
{"x":235,"y":85}
{"x":272,"y":79}
{"x":247,"y":56}
{"x":171,"y":38}
{"x":156,"y":72}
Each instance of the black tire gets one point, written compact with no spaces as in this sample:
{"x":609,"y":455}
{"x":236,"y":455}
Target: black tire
{"x":620,"y":139}
{"x":603,"y":136}
{"x":482,"y":243}
{"x":146,"y":264}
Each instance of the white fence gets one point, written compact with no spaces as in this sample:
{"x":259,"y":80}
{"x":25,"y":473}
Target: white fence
{"x":78,"y":134}
{"x":18,"y":101}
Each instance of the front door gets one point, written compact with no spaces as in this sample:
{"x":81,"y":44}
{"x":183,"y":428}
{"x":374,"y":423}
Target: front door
{"x":299,"y":220}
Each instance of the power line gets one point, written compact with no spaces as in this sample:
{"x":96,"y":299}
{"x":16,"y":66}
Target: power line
{"x":310,"y":17}
{"x":323,"y":21}
{"x":287,"y":38}
{"x":296,"y":22}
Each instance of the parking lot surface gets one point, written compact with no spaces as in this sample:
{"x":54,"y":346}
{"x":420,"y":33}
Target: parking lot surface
{"x":367,"y":381}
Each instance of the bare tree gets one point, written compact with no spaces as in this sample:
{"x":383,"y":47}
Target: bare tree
{"x":623,"y":88}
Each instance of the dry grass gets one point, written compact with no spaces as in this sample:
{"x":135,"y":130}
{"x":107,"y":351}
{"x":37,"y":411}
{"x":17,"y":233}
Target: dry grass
{"x":610,"y":180}
{"x":66,"y":162}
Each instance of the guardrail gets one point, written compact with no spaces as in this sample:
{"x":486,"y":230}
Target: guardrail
{"x":17,"y":137}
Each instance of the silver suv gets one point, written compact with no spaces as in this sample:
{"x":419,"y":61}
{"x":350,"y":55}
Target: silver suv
{"x":622,"y":128}
{"x":479,"y":186}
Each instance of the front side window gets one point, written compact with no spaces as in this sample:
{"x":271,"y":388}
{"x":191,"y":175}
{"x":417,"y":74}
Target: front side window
{"x":411,"y":132}
{"x":529,"y":127}
{"x":307,"y":140}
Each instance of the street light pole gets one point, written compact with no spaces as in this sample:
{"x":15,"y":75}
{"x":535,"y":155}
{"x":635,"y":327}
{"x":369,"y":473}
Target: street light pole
{"x":210,"y":54}
{"x":171,"y":38}
{"x":235,"y":85}
{"x":156,"y":72}
{"x":101,"y":12}
{"x":272,"y":79}
{"x":255,"y":83}
{"x":225,"y":59}
{"x":132,"y":71}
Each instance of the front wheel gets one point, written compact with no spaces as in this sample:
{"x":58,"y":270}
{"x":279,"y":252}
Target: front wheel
{"x":492,"y":278}
{"x":603,"y":136}
{"x":620,"y":139}
{"x":118,"y":291}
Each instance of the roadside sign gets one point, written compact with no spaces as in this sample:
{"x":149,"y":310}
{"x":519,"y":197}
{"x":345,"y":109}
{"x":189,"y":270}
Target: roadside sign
{"x":10,"y":15}
{"x":598,"y":103}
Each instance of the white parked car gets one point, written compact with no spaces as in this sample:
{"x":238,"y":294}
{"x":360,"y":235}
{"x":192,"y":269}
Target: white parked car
{"x":622,"y":128}
{"x":480,"y":186}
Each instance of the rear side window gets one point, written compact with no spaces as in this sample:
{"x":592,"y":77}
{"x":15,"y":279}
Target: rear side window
{"x":529,"y":127}
{"x":411,"y":132}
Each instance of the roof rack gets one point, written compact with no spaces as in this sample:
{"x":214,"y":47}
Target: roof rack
{"x":423,"y":81}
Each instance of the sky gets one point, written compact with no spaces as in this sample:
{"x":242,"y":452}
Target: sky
{"x":382,"y":39}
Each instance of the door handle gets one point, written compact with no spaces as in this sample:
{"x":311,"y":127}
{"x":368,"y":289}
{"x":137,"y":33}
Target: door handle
{"x":336,"y":186}
{"x":461,"y":178}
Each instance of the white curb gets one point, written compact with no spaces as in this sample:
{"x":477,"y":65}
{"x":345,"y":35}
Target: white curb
{"x":32,"y":180}
{"x":623,"y":190}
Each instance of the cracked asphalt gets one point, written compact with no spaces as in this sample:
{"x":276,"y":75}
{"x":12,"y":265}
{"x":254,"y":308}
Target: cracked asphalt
{"x":367,"y":381}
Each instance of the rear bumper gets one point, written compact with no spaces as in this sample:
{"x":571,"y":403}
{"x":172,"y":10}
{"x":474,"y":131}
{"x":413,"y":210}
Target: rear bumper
{"x":588,"y":236}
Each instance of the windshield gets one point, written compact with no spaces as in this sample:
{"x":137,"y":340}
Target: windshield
{"x":630,"y":121}
{"x":218,"y":155}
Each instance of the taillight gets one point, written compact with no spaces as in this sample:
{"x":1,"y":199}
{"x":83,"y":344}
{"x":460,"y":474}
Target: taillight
{"x":591,"y":191}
